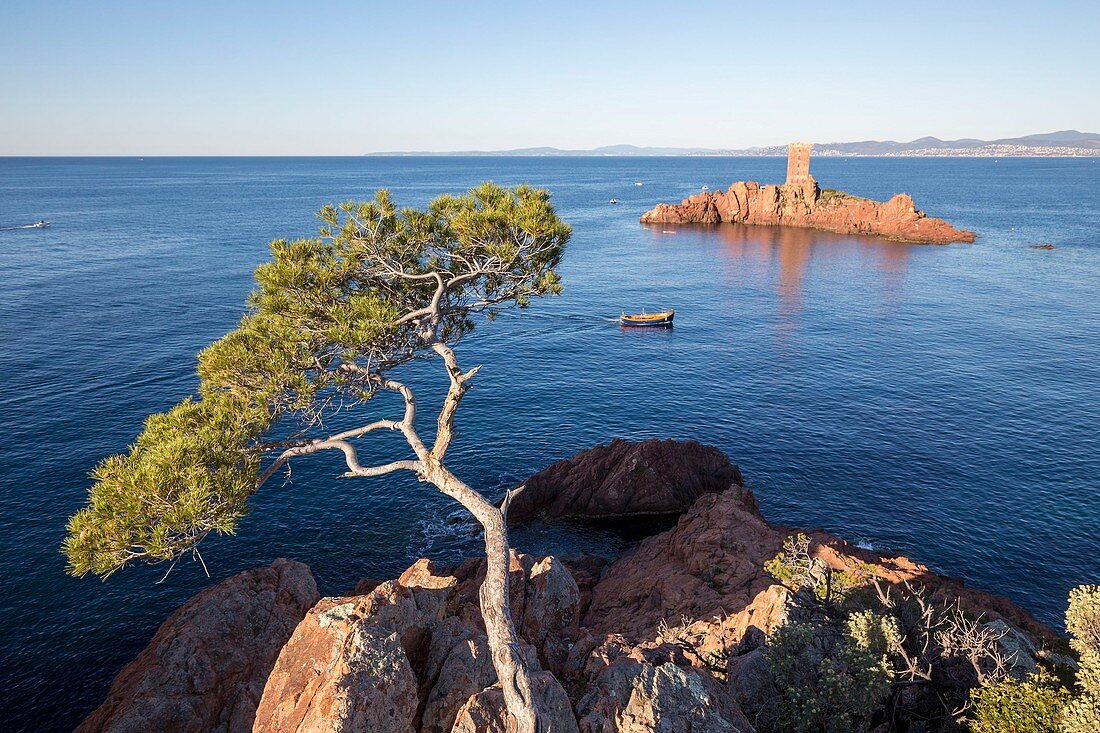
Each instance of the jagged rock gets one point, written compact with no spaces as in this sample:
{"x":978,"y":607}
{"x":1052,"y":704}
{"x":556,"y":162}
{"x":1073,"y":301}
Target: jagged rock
{"x":1018,"y":651}
{"x":370,"y":687}
{"x":749,"y":678}
{"x":710,"y":563}
{"x":625,"y":479}
{"x":351,"y":663}
{"x":638,"y":697}
{"x":206,"y":667}
{"x":747,"y":202}
{"x":717,"y":640}
{"x":552,"y":601}
{"x":484,"y":712}
{"x":467,"y":670}
{"x":640,"y":644}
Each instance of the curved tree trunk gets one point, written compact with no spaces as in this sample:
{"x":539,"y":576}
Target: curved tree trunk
{"x":511,"y":669}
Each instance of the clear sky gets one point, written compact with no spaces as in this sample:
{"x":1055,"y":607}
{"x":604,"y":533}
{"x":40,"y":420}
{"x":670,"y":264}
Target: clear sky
{"x":88,"y":77}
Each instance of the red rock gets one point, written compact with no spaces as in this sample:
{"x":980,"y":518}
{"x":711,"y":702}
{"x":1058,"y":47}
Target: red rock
{"x":206,"y":667}
{"x":625,"y":479}
{"x":711,"y":562}
{"x":352,"y":663}
{"x":552,"y":603}
{"x":422,"y":634}
{"x":484,"y":711}
{"x":638,"y":697}
{"x":711,"y":565}
{"x":799,"y":203}
{"x":467,"y":671}
{"x":638,"y":645}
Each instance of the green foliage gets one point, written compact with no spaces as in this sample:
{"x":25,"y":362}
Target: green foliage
{"x":828,"y":680}
{"x":1031,"y":706}
{"x":795,"y":567}
{"x":878,"y":635}
{"x":325,"y":312}
{"x":187,"y":474}
{"x":830,"y":683}
{"x":792,"y":566}
{"x":1083,"y":623}
{"x":829,"y":196}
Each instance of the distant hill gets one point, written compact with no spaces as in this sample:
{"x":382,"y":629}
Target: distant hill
{"x":1064,"y":142}
{"x":606,"y":150}
{"x":1034,"y":144}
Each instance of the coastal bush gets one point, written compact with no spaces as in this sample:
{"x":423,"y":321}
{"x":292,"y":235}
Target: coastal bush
{"x":1034,"y":705}
{"x":828,"y":680}
{"x":934,"y":652}
{"x":795,"y":567}
{"x":329,"y":320}
{"x":1039,"y":703}
{"x":853,"y":657}
{"x":1082,"y":714}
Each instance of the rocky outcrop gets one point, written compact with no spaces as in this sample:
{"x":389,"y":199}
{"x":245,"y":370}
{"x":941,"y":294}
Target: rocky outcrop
{"x":668,"y":637}
{"x":412,"y":655}
{"x":807,"y":206}
{"x":625,"y":479}
{"x":484,"y":712}
{"x":340,"y":673}
{"x":711,"y":565}
{"x":207,"y":665}
{"x":633,"y":696}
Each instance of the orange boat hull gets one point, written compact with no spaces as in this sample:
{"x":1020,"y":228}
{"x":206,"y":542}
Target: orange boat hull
{"x":648,"y":319}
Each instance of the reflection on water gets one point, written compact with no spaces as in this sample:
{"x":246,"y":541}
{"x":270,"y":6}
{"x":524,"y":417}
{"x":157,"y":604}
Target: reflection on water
{"x":795,"y":251}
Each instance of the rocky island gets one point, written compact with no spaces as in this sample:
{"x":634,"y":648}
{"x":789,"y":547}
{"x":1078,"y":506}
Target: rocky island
{"x":801,"y":203}
{"x":697,"y":628}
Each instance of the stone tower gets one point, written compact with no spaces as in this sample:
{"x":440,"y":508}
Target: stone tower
{"x":798,"y":171}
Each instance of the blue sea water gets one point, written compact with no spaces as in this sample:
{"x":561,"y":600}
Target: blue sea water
{"x":942,"y":402}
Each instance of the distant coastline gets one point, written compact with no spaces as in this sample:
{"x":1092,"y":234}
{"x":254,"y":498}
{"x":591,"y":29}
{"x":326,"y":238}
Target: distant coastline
{"x":1062,"y":144}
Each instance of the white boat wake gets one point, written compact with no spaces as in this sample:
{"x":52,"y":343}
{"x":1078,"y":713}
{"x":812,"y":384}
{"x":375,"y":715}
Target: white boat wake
{"x":37,"y":225}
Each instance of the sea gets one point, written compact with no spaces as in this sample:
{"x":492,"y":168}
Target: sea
{"x":937,"y":401}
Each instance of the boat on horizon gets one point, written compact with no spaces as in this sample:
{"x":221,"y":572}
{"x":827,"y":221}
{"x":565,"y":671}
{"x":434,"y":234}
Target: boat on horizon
{"x":643,"y":319}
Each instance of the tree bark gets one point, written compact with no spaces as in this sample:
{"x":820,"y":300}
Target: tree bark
{"x":511,"y":669}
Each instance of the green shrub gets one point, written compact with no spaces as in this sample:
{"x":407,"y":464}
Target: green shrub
{"x":828,"y":682}
{"x":1082,"y":715}
{"x":795,"y":567}
{"x":1032,"y":706}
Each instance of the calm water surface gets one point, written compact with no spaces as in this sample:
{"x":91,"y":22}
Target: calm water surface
{"x":937,"y":401}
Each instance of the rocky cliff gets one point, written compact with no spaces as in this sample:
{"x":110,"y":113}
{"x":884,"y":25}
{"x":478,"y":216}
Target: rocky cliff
{"x":669,"y":637}
{"x":805,"y":205}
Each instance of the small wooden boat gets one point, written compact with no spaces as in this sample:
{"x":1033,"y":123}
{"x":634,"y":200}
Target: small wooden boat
{"x":663,"y":318}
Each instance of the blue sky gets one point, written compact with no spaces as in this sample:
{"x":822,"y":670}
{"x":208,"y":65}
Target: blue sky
{"x":344,"y":78}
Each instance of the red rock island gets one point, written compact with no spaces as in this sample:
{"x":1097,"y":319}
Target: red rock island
{"x":800,"y":203}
